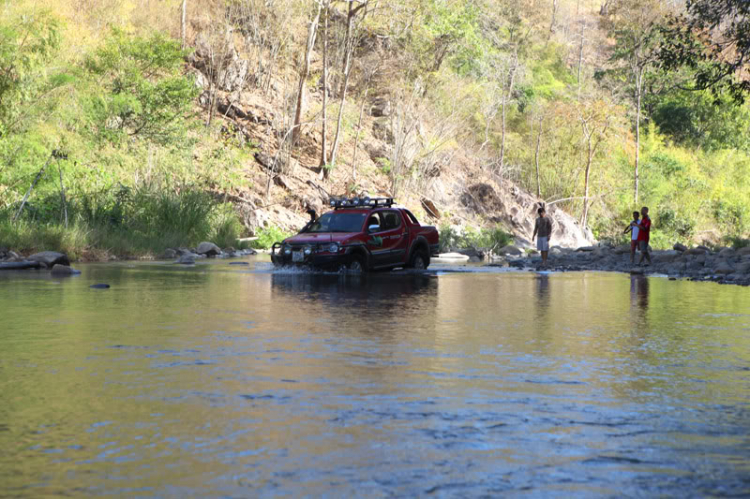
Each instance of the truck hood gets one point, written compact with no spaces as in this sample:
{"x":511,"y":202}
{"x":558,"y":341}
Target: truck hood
{"x":320,"y":238}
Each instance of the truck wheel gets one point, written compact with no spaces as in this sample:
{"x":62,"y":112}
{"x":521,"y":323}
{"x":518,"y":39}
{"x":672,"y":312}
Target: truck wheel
{"x":356,"y":265}
{"x":418,"y":260}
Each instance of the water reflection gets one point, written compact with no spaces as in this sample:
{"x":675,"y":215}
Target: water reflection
{"x":214,"y":381}
{"x":382,"y":292}
{"x":639,"y":286}
{"x":543,"y":291}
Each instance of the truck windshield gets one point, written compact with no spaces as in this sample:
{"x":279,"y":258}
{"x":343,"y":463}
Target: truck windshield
{"x":339,"y":222}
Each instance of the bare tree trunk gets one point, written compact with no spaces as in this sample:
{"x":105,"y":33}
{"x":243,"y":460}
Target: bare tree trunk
{"x":536,"y":157}
{"x":356,"y":138}
{"x":324,"y":131}
{"x":580,"y":58}
{"x":345,"y":84}
{"x":506,"y":96}
{"x":585,"y":215}
{"x":183,"y":22}
{"x":311,"y":33}
{"x":639,"y":94}
{"x":554,"y":15}
{"x":33,"y":184}
{"x":62,"y":194}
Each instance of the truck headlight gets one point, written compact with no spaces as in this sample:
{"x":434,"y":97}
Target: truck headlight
{"x":308,"y":250}
{"x":287,"y":250}
{"x":333,"y":248}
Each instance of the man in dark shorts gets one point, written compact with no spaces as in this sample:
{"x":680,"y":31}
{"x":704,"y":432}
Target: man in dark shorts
{"x":644,"y":234}
{"x":543,"y":229}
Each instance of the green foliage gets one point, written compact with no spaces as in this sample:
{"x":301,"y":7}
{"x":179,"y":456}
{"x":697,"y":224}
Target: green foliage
{"x":267,"y":236}
{"x":27,"y":44}
{"x":470,"y":238}
{"x":145,"y":93}
{"x":738,"y":242}
{"x":126,"y":221}
{"x":695,"y":119}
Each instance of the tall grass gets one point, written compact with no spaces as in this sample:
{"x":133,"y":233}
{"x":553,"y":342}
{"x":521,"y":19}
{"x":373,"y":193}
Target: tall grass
{"x":125,"y":224}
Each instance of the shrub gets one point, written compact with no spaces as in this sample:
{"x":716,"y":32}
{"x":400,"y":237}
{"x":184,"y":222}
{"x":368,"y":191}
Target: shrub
{"x":269,"y":235}
{"x":471,"y":238}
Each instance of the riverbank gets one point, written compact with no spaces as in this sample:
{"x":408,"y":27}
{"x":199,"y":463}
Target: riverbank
{"x":722,"y":265}
{"x":59,"y":263}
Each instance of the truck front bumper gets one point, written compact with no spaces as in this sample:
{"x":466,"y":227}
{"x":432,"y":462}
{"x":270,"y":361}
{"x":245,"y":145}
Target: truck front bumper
{"x":326,"y":261}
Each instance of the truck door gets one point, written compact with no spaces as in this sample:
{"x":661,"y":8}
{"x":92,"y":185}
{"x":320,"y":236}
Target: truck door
{"x":382,"y":241}
{"x":398,"y":234}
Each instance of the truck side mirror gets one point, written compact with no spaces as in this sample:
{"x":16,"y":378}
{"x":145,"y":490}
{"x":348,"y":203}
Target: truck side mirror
{"x":373,"y":228}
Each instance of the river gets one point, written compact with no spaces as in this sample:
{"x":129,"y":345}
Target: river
{"x":237,"y":381}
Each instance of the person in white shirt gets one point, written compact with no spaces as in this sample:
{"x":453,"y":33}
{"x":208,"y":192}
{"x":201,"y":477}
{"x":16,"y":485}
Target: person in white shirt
{"x":633,"y":228}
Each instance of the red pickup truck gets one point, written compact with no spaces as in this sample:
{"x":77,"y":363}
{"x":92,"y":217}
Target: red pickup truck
{"x":360,"y":234}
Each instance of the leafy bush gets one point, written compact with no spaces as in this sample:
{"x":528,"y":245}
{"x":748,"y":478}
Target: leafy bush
{"x":452,"y":239}
{"x":738,"y":242}
{"x":145,"y":93}
{"x":269,"y":235}
{"x":226,"y":227}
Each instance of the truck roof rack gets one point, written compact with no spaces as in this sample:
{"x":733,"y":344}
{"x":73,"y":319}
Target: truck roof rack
{"x":361,"y":203}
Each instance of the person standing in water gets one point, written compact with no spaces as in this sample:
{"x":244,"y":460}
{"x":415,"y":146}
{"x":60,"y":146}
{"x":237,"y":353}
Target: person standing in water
{"x":633,"y":229}
{"x":542,"y":233}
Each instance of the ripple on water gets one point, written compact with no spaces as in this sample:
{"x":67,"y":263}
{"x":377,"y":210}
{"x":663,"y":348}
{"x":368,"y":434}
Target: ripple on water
{"x":255,"y":382}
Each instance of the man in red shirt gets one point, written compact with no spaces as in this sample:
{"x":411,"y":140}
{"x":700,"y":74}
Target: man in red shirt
{"x":644,"y":234}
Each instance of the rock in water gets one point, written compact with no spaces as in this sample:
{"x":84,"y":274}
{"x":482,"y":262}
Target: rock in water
{"x":169,"y":254}
{"x":239,"y":263}
{"x":510,"y":250}
{"x":679,"y":247}
{"x":99,"y":286}
{"x":64,"y":270}
{"x":208,"y":249}
{"x":50,"y":258}
{"x":24,"y":264}
{"x":186,"y":259}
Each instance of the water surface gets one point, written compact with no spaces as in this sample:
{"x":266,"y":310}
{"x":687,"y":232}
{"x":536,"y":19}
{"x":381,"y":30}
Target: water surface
{"x":223,"y":380}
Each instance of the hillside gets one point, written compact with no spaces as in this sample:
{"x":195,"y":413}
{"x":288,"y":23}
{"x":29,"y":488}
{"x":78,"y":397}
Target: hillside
{"x":460,"y":110}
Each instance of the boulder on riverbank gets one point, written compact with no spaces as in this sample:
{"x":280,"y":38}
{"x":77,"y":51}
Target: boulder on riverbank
{"x":208,"y":249}
{"x":50,"y":258}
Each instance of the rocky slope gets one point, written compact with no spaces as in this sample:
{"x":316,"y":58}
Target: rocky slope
{"x":449,"y":187}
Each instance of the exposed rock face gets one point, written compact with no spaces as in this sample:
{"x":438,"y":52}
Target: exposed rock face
{"x":50,"y":258}
{"x":230,"y":72}
{"x":382,"y":130}
{"x":518,"y":210}
{"x":381,"y":106}
{"x":208,"y":249}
